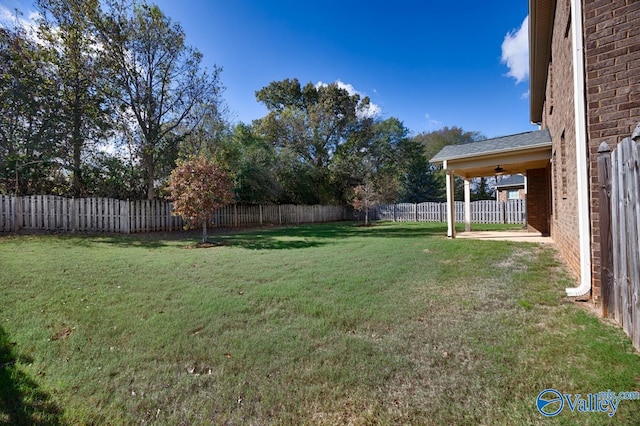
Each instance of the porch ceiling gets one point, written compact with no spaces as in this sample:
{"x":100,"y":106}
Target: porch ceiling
{"x":514,"y":154}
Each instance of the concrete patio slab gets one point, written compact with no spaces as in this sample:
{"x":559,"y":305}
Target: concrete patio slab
{"x":521,"y":236}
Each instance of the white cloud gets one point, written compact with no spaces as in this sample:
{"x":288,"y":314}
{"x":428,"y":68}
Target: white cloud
{"x":432,"y":123}
{"x":515,"y":52}
{"x":371,"y":111}
{"x":11,"y":19}
{"x":7,"y":17}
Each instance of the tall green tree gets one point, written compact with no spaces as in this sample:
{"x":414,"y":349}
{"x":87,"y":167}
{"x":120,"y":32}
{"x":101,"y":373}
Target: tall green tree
{"x":379,"y":154}
{"x":255,"y":167}
{"x":482,"y":189}
{"x":307,"y":125}
{"x":29,"y":110}
{"x":159,"y":79}
{"x":110,"y":175}
{"x":432,"y":143}
{"x":67,"y":27}
{"x":386,"y":157}
{"x":419,"y":181}
{"x":210,"y":134}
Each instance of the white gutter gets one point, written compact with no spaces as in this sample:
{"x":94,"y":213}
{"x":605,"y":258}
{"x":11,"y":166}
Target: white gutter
{"x":584,"y":227}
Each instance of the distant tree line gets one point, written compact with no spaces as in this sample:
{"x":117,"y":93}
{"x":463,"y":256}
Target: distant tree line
{"x":103,"y":98}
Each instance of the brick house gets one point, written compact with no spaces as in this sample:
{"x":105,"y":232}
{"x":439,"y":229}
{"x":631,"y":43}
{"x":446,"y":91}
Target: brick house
{"x":510,"y":188}
{"x":584,"y":89}
{"x":525,"y":153}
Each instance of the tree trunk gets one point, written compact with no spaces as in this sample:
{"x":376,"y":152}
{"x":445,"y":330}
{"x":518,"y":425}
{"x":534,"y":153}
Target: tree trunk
{"x":204,"y":231}
{"x":77,"y":164}
{"x":151,"y":190}
{"x":77,"y":141}
{"x":147,"y":160}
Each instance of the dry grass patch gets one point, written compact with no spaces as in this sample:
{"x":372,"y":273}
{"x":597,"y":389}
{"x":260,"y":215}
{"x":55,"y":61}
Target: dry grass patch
{"x":326,"y":324}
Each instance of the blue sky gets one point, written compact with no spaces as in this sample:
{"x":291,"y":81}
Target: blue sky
{"x":430,"y":64}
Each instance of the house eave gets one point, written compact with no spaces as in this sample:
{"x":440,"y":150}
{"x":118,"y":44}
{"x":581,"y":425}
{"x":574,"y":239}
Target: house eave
{"x":530,"y":148}
{"x":541,"y":18}
{"x":515,"y":185}
{"x":512,"y":162}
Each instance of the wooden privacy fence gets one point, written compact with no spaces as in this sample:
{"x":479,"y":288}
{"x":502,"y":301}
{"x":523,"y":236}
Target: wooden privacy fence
{"x":51,"y":213}
{"x":486,"y":211}
{"x":619,"y":179}
{"x":237,"y":215}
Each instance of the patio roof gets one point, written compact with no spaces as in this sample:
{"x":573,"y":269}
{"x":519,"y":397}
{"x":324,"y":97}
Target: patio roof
{"x":513,"y":153}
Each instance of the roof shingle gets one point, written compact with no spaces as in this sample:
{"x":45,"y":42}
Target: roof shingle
{"x":495,"y":145}
{"x":513,"y":180}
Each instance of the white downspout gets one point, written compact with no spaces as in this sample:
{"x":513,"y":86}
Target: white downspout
{"x":584,"y":227}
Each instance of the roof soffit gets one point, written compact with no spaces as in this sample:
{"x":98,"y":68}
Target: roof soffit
{"x":541,"y":19}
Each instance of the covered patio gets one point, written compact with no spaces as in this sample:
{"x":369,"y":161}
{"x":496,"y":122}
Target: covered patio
{"x":525,"y":153}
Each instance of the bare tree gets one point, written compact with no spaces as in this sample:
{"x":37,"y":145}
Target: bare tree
{"x":159,"y":81}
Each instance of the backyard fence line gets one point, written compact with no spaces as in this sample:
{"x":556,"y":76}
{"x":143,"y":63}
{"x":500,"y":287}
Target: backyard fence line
{"x":53,"y":213}
{"x":485,"y":211}
{"x":619,"y":181}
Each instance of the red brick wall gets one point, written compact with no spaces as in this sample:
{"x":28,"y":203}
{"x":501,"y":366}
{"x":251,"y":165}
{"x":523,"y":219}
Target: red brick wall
{"x":538,"y":213}
{"x":612,"y":95}
{"x":559,"y":118}
{"x":612,"y":62}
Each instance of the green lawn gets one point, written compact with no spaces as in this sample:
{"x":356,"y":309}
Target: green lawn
{"x":322,"y":324}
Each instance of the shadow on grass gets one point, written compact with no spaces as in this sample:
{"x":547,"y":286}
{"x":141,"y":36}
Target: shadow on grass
{"x":253,"y":242}
{"x":263,"y":238}
{"x":315,"y":235}
{"x":22,"y":402}
{"x":377,"y":230}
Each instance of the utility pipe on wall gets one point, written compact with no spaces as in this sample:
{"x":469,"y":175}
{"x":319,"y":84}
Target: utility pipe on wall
{"x":584,"y":225}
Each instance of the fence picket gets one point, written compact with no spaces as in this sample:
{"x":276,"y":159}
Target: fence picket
{"x":633,"y":217}
{"x":132,"y":216}
{"x":483,"y":211}
{"x":620,"y":248}
{"x":6,"y":213}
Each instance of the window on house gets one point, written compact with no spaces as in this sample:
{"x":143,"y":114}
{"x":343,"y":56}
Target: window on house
{"x":513,"y":194}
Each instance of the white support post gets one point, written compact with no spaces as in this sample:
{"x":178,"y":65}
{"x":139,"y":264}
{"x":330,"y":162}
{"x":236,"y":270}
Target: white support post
{"x":467,"y":205}
{"x":451,"y":207}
